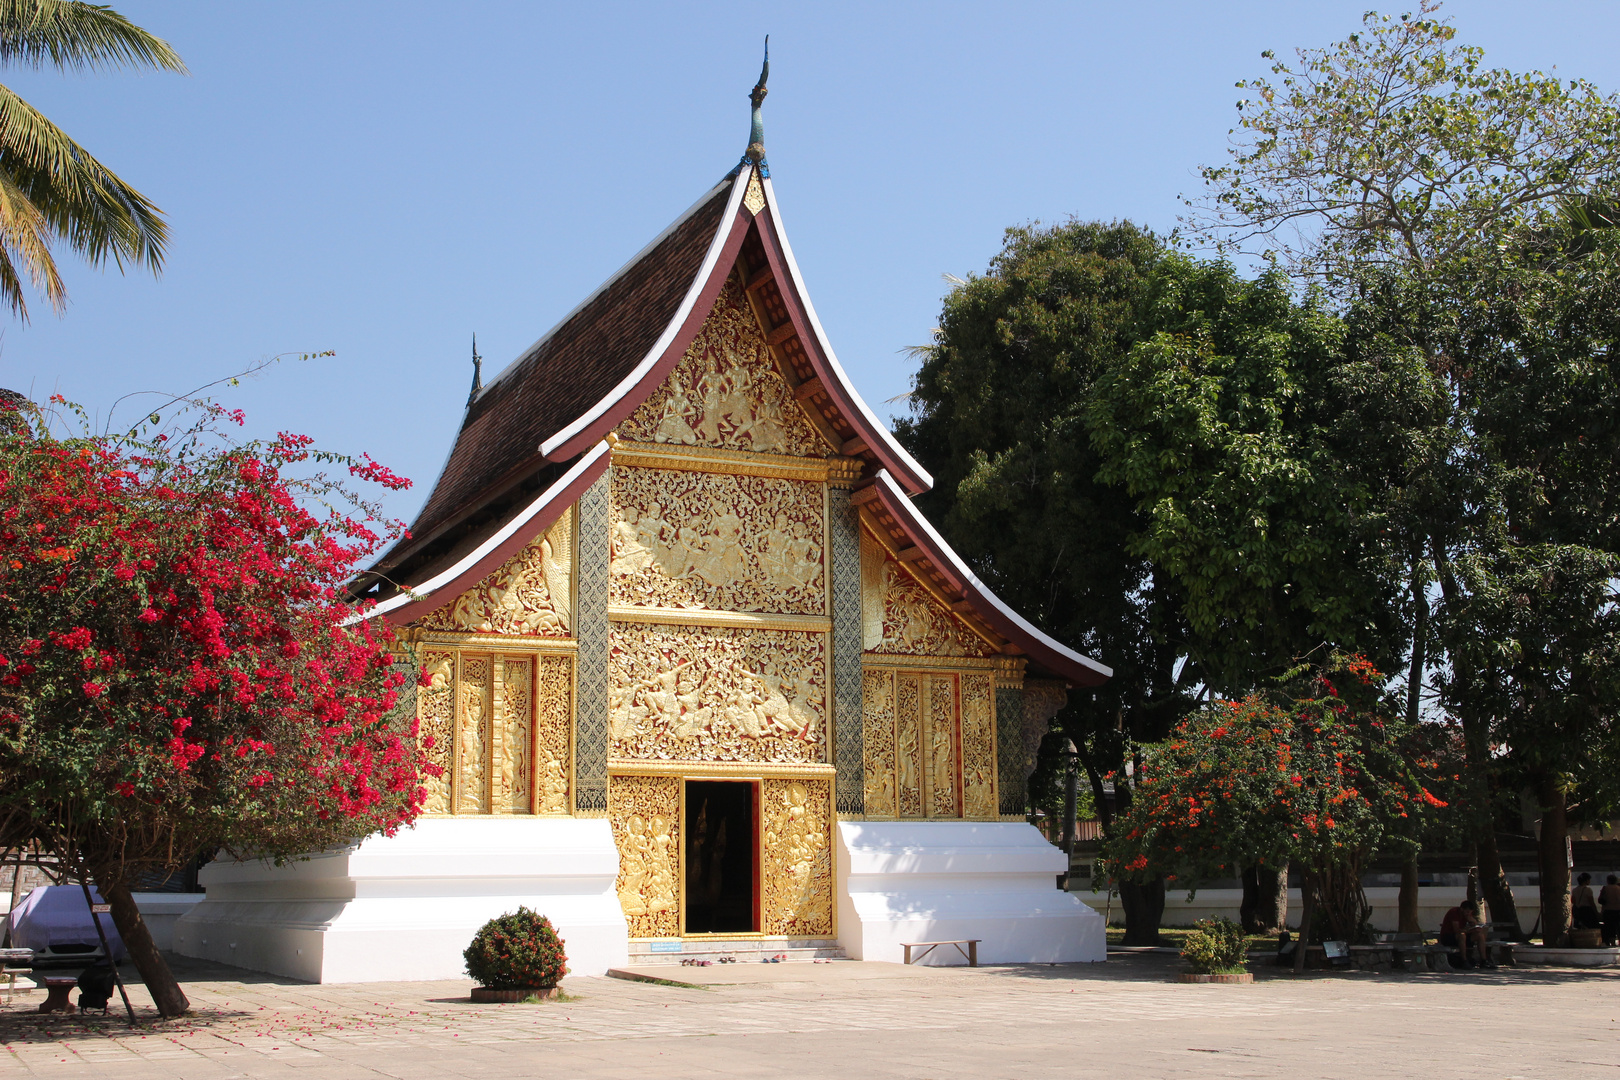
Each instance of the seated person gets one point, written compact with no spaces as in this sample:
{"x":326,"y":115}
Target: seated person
{"x":1583,"y":905}
{"x":1461,"y":928}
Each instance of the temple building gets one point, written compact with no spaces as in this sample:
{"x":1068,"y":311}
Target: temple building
{"x":700,"y":677}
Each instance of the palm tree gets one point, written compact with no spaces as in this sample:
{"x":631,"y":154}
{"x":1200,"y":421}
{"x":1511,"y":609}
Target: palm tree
{"x":51,"y":188}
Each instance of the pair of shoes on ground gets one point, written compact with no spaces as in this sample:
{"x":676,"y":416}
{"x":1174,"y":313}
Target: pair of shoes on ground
{"x":695,"y":963}
{"x":779,"y":958}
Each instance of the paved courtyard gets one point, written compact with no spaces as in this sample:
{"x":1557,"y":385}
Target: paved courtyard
{"x":1122,"y":1019}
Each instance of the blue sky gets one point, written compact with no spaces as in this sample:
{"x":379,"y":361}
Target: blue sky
{"x":384,"y":180}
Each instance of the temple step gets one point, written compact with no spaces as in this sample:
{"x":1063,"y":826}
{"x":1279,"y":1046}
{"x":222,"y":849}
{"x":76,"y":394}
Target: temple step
{"x":744,"y":951}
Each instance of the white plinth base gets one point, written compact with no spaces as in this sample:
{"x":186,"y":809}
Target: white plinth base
{"x":403,"y":908}
{"x":947,"y":880}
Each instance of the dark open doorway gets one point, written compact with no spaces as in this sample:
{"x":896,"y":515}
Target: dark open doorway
{"x":720,"y":873}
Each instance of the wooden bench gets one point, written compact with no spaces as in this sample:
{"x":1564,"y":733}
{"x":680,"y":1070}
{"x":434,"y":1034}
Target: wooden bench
{"x":970,"y":954}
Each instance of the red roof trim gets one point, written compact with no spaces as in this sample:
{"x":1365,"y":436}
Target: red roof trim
{"x":1042,"y":650}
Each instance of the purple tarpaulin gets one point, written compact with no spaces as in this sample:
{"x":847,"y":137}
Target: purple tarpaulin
{"x":57,"y":915}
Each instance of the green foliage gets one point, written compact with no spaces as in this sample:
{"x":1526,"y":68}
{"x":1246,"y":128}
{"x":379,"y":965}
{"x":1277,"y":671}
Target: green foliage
{"x":518,"y":950}
{"x":1216,"y":946}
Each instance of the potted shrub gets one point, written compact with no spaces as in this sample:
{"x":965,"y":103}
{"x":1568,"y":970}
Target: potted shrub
{"x":1216,"y":951}
{"x":516,"y":957}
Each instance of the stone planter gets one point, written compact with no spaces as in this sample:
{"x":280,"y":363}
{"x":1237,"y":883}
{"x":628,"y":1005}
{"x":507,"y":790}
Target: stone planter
{"x":1234,"y":977}
{"x":484,"y":995}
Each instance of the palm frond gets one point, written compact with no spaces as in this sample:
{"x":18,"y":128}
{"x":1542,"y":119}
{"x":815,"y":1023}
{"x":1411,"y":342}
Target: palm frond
{"x":83,"y":201}
{"x":76,"y":36}
{"x":25,"y":237}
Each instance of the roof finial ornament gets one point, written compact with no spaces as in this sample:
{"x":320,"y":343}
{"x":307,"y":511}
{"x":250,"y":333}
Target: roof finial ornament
{"x":478,"y":373}
{"x":755,"y":154}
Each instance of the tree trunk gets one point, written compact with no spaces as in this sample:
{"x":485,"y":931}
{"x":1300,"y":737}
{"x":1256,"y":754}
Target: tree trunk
{"x":1493,"y":884}
{"x":1307,"y":912}
{"x":1554,"y":860}
{"x":1265,"y":899}
{"x":1144,"y":908}
{"x":1409,"y":923}
{"x":160,"y":982}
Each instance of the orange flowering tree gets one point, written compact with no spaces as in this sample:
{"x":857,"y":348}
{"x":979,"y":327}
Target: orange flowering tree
{"x":1319,"y":784}
{"x":180,"y":670}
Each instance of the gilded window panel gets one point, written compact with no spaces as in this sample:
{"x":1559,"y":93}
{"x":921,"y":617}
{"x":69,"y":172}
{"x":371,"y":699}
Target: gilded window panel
{"x":553,"y":726}
{"x":473,"y":735}
{"x":436,"y":704}
{"x":797,"y":873}
{"x":515,"y":720}
{"x":908,"y":740}
{"x":645,"y":812}
{"x":941,"y":786}
{"x":978,"y":747}
{"x":877,"y":701}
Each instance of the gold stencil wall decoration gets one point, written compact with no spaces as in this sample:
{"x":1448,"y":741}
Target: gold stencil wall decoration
{"x":554,"y":726}
{"x":645,"y":812}
{"x":726,"y":392}
{"x":436,"y":715}
{"x":473,"y":735}
{"x":908,"y":743}
{"x":873,"y":576}
{"x":913,"y":622}
{"x":877,"y":707}
{"x":941,"y":746}
{"x":797,"y":878}
{"x":717,"y":541}
{"x":716,"y":694}
{"x":978,"y":747}
{"x":532,"y":594}
{"x":516,"y":719}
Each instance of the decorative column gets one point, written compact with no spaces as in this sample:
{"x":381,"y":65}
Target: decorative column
{"x":593,"y":555}
{"x":844,"y":558}
{"x":1012,"y":764}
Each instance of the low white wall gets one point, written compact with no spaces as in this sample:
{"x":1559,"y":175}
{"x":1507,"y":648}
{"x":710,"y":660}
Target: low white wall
{"x":901,"y":881}
{"x":161,"y":910}
{"x":405,"y":907}
{"x":1433,"y":903}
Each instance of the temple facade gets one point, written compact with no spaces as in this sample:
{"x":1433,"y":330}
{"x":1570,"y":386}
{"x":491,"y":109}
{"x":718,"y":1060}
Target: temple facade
{"x":698,"y":675}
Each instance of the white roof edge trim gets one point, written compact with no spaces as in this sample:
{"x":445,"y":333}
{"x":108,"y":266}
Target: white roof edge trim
{"x":969,"y":576}
{"x":495,"y":540}
{"x":826,"y":348}
{"x":617,"y":274}
{"x":630,"y":381}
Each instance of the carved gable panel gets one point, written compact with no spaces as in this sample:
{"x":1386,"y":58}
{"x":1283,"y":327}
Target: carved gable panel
{"x":532,"y":594}
{"x":727,"y":392}
{"x":899,"y":616}
{"x":718,"y":542}
{"x":717,"y":694}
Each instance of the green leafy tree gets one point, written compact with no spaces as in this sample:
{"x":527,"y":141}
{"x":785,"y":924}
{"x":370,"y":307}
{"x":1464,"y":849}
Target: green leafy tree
{"x":1408,"y":178}
{"x":52,"y":190}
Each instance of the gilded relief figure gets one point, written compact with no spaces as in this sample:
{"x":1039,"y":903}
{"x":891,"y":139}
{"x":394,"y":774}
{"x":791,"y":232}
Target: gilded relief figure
{"x":645,"y":814}
{"x":531,"y":594}
{"x":877,"y":708}
{"x":554,"y":724}
{"x":436,"y":710}
{"x":912,"y":620}
{"x":727,"y":392}
{"x":472,"y":779}
{"x":798,"y":880}
{"x":716,"y":694}
{"x":978,"y":747}
{"x":517,"y":729}
{"x":942,"y":747}
{"x":717,"y":541}
{"x":909,"y":743}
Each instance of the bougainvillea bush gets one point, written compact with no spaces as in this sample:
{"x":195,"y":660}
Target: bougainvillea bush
{"x":180,"y":670}
{"x":1319,"y":783}
{"x":517,"y":951}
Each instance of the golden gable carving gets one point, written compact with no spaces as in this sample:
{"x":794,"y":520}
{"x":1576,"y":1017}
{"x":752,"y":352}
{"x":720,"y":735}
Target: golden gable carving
{"x":898,"y":615}
{"x":531,"y":595}
{"x":726,"y":392}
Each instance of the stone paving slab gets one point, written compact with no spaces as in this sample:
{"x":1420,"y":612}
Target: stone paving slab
{"x":1123,"y":1019}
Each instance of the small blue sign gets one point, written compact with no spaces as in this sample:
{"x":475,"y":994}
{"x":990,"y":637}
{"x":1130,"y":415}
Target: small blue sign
{"x":665,"y":946}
